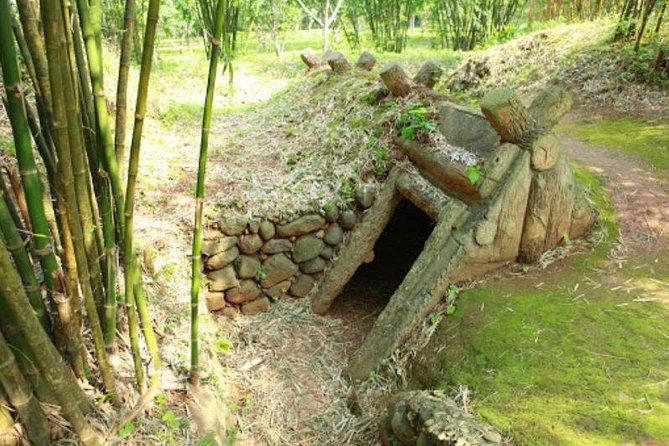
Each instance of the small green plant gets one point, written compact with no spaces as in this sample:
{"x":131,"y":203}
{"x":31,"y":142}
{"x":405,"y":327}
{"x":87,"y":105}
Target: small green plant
{"x":434,"y":319}
{"x":127,"y":429}
{"x":380,"y":158}
{"x":474,"y":174}
{"x":224,"y":345}
{"x":414,"y":120}
{"x":261,"y":274}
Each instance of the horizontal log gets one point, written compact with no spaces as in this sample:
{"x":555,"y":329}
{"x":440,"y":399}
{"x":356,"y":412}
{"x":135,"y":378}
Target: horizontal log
{"x":437,"y":167}
{"x":549,"y":106}
{"x":506,"y":114}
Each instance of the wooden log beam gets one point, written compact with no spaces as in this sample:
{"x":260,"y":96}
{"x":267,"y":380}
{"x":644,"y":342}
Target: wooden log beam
{"x":396,"y":80}
{"x":362,"y":240}
{"x":507,"y":115}
{"x":428,"y":75}
{"x":549,"y":106}
{"x":545,"y":152}
{"x":549,"y":211}
{"x":437,"y":167}
{"x":311,"y":59}
{"x":422,"y":193}
{"x":366,"y":61}
{"x":337,"y":61}
{"x":424,"y":285}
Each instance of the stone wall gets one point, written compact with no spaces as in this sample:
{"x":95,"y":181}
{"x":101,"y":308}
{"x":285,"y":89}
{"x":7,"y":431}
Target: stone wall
{"x":251,"y":262}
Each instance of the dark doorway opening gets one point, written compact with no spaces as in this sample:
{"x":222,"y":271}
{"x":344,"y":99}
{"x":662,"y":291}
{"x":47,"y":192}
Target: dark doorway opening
{"x":370,"y":288}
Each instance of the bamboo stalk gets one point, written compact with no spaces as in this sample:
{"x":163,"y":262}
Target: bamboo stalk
{"x":199,"y":192}
{"x":21,"y":397}
{"x":24,"y":155}
{"x":94,"y":58}
{"x":122,"y":85}
{"x":70,"y":396}
{"x":133,"y":166}
{"x":147,"y":324}
{"x":23,"y":264}
{"x":62,"y":89}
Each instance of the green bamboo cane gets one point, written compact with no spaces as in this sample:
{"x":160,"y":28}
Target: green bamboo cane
{"x":122,"y":84}
{"x":199,"y":191}
{"x":21,"y":397}
{"x":94,"y":58}
{"x":23,"y":264}
{"x":31,"y":30}
{"x":24,"y":154}
{"x":66,"y":134}
{"x":18,"y":221}
{"x":147,"y":324}
{"x":52,"y":367}
{"x":133,"y":166}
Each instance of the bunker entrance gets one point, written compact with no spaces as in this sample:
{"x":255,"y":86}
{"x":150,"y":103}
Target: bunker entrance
{"x":370,"y":288}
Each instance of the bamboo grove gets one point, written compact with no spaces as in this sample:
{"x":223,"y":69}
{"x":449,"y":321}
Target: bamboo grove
{"x":67,"y":220}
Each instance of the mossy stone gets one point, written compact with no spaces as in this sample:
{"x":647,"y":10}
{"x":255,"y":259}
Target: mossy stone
{"x":234,"y":225}
{"x":249,"y":244}
{"x":277,"y":245}
{"x":313,"y":266}
{"x":266,"y":230}
{"x":333,"y":235}
{"x":306,"y":248}
{"x":247,"y":267}
{"x":348,"y":219}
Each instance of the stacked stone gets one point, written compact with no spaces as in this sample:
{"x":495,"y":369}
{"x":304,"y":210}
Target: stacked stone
{"x":251,"y":262}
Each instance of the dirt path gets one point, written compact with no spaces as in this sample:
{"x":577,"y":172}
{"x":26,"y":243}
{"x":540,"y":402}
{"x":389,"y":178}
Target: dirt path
{"x":639,"y":195}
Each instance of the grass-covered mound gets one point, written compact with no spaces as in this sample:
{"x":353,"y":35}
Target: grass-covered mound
{"x":582,"y":57}
{"x":575,"y":354}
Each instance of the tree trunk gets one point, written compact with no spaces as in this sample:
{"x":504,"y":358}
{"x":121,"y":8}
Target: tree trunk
{"x":506,"y":114}
{"x":311,"y":59}
{"x":422,"y":193}
{"x":337,"y":62}
{"x":366,"y":61}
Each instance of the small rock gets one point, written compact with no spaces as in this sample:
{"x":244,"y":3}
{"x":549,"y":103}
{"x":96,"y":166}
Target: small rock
{"x":313,"y":266}
{"x":254,"y":225}
{"x":249,"y":244}
{"x":223,"y":279}
{"x":220,"y":244}
{"x":230,"y":312}
{"x":277,"y":268}
{"x":320,"y":233}
{"x":277,"y":245}
{"x":365,"y":194}
{"x":234,"y":225}
{"x":247,"y":267}
{"x":222,"y":259}
{"x":333,"y":235}
{"x":301,"y":226}
{"x":215,"y":301}
{"x":327,"y":252}
{"x":302,"y":285}
{"x":256,"y":306}
{"x":348,"y":219}
{"x":493,"y":437}
{"x":267,"y":230}
{"x":247,"y":291}
{"x":306,"y":248}
{"x":331,"y":213}
{"x":278,"y":290}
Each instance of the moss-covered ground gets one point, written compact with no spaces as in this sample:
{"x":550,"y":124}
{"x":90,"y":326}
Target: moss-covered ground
{"x":642,"y":137}
{"x":574,"y":354}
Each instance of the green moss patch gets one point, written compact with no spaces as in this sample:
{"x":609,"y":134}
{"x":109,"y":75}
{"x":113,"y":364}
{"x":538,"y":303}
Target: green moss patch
{"x":575,"y":354}
{"x":634,"y":136}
